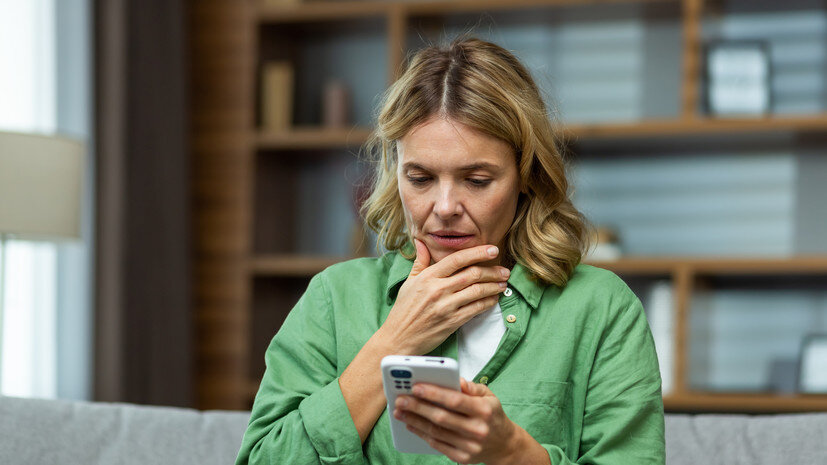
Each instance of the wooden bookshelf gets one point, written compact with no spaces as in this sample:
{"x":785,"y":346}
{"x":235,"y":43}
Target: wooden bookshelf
{"x":228,"y":44}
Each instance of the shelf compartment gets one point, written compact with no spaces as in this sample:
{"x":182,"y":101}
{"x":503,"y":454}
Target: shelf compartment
{"x":324,"y":187}
{"x":272,"y":301}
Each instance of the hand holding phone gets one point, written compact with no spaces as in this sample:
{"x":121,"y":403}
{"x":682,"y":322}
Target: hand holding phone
{"x":399,"y":374}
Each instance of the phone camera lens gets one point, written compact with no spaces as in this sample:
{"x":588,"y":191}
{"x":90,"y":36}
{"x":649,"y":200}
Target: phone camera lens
{"x":401,"y":373}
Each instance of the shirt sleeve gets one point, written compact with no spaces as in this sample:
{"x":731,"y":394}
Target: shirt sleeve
{"x":623,"y":417}
{"x":299,"y":414}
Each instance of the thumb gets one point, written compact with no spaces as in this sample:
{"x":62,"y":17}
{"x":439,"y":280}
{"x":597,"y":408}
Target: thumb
{"x":473,"y":389}
{"x":423,"y":258}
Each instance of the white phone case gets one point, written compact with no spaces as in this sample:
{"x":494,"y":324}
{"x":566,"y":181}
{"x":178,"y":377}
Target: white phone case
{"x":399,"y":374}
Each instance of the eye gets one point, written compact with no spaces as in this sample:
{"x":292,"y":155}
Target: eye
{"x":418,"y":180}
{"x":476,"y":182}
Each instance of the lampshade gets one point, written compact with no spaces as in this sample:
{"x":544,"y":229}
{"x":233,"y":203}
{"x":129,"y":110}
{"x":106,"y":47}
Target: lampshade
{"x":40,"y":186}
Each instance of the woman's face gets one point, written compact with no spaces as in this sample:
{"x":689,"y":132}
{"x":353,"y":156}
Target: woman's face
{"x":459,"y":187}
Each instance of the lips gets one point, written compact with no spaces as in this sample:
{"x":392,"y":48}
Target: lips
{"x":451,"y":239}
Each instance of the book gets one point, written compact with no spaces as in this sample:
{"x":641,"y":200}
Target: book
{"x":277,"y":96}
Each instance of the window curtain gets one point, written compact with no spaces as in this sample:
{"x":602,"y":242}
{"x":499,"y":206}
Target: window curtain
{"x":143,"y":332}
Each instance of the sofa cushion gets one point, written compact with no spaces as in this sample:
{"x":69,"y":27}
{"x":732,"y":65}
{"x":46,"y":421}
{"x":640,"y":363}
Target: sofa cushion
{"x":47,"y":432}
{"x":746,"y":440}
{"x":36,"y":431}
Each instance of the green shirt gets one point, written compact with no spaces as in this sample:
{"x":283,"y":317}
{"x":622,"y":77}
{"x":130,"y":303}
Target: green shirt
{"x":576,"y":369}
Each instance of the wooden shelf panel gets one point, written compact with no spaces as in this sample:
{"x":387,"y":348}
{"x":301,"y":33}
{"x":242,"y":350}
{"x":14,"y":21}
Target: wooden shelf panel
{"x":745,"y":403}
{"x":320,"y":11}
{"x":335,"y":11}
{"x":717,"y":403}
{"x":718,"y":266}
{"x":308,"y":265}
{"x":757,"y":266}
{"x":441,"y":7}
{"x":291,"y":265}
{"x":308,"y":138}
{"x":637,"y":265}
{"x":695,"y":126}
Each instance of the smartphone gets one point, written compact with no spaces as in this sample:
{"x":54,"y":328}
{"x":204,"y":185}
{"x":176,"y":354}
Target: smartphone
{"x":399,"y":374}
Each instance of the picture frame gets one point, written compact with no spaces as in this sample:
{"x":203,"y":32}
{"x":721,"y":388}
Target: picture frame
{"x":738,"y":78}
{"x":812,"y":372}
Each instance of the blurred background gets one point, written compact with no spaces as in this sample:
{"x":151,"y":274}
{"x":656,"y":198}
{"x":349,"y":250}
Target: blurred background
{"x":214,"y":162}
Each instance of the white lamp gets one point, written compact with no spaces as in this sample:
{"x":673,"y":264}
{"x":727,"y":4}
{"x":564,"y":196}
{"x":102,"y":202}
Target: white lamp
{"x":40,"y":192}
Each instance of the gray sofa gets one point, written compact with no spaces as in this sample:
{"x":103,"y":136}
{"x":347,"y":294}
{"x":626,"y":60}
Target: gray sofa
{"x":47,"y":432}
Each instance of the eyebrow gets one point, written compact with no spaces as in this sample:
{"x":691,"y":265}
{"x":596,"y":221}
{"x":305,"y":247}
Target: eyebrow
{"x":471,"y":167}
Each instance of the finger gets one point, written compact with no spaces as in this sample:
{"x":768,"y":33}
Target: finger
{"x":423,"y":258}
{"x":487,"y":292}
{"x":431,"y":414}
{"x":464,"y":313}
{"x":478,"y":274}
{"x":426,"y":429}
{"x":473,"y":389}
{"x":478,"y":390}
{"x":442,"y":405}
{"x":464,"y":258}
{"x":450,"y":451}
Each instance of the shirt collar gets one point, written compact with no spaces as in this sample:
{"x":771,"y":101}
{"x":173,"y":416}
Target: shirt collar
{"x":520,"y":280}
{"x":398,"y":273}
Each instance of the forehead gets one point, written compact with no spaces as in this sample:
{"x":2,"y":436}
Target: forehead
{"x":445,"y":143}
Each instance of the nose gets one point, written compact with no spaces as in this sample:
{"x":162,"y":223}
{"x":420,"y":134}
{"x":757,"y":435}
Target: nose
{"x":447,"y":204}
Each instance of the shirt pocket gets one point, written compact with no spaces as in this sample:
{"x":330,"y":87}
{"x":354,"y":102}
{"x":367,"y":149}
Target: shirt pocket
{"x":542,"y":408}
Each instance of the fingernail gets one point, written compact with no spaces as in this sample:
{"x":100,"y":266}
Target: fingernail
{"x":401,"y":402}
{"x":505,"y":272}
{"x":502,"y":284}
{"x":417,"y":390}
{"x":493,"y":251}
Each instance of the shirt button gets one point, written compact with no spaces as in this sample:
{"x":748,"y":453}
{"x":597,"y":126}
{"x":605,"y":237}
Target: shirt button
{"x":507,"y":292}
{"x":483,"y":379}
{"x":511,"y":318}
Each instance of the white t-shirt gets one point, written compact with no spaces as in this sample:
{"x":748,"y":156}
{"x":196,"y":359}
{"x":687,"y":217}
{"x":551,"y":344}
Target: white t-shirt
{"x":477,"y":340}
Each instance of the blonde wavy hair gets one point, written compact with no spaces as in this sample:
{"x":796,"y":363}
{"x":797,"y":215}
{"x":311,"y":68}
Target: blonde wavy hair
{"x":483,"y":86}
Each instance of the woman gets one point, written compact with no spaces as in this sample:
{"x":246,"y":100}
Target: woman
{"x":471,"y":199}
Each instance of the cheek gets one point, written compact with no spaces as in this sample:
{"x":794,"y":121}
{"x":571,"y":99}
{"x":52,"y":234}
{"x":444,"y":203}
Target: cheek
{"x":412,"y":207}
{"x":497,"y":214}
